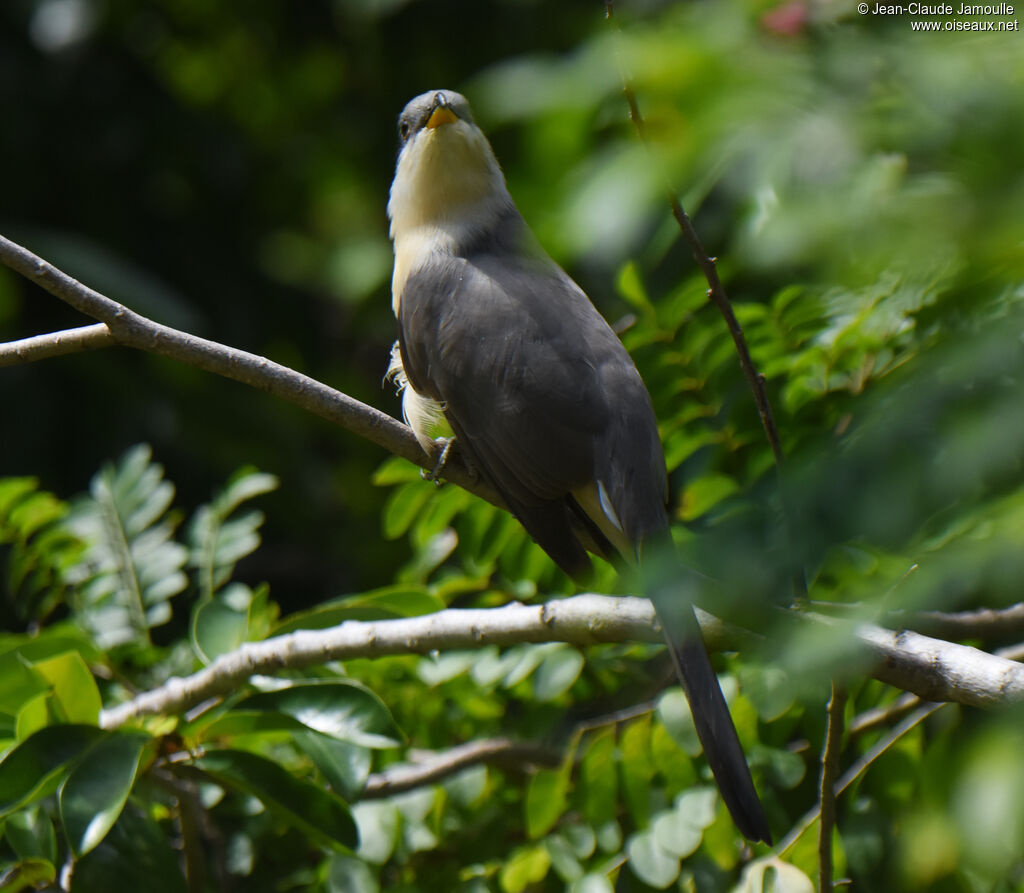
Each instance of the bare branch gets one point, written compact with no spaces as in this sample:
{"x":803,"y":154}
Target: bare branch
{"x":932,"y":669}
{"x":133,"y":330}
{"x":985,"y":624}
{"x":55,"y":344}
{"x":431,"y":768}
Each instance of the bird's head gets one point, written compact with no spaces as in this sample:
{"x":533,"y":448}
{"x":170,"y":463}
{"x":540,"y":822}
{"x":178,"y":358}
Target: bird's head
{"x":446,"y":170}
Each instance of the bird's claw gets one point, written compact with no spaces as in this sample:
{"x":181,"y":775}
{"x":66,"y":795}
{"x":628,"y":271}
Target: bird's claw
{"x":435,"y":474}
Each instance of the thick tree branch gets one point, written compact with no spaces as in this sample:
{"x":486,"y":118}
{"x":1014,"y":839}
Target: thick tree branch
{"x":932,"y":669}
{"x":133,"y":330}
{"x":56,"y":344}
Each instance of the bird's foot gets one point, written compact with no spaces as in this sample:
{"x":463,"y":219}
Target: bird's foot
{"x":435,"y":474}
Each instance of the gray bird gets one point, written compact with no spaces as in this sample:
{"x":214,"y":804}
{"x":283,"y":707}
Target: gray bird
{"x":497,"y":340}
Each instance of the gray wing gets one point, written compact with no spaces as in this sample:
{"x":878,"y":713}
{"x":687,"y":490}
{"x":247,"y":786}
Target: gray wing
{"x":536,"y":386}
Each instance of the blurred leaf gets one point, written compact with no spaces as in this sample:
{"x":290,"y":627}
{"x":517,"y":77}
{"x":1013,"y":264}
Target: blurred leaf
{"x":775,"y":875}
{"x":221,"y":623}
{"x":598,"y":778}
{"x":379,"y":825}
{"x":556,"y":673}
{"x":527,"y":866}
{"x":31,"y":835}
{"x":636,"y":769}
{"x":546,"y":800}
{"x":27,"y":874}
{"x":133,"y":565}
{"x":649,"y":862}
{"x":674,"y":713}
{"x":217,"y":541}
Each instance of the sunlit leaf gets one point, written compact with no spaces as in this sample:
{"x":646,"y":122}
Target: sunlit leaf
{"x":94,"y":793}
{"x":342,"y":708}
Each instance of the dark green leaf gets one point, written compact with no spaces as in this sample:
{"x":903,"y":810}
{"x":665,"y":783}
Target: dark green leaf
{"x":32,"y":769}
{"x":28,"y":874}
{"x":135,"y":855}
{"x":346,"y":766}
{"x":96,"y":790}
{"x":317,"y":814}
{"x":546,"y":800}
{"x":341,"y":708}
{"x":599,"y":778}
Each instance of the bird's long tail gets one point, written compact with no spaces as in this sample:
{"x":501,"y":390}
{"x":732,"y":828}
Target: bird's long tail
{"x":714,"y":725}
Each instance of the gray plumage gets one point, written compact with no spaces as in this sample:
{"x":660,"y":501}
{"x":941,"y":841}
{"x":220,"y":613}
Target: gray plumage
{"x":538,"y":389}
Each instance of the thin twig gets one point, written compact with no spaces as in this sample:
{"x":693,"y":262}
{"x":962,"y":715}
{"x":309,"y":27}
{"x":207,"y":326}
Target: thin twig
{"x":717,"y":295}
{"x":878,"y":717}
{"x":826,"y":790}
{"x":856,"y":770}
{"x":56,"y":344}
{"x":431,"y":767}
{"x":438,"y":766}
{"x":133,"y":330}
{"x":716,"y":291}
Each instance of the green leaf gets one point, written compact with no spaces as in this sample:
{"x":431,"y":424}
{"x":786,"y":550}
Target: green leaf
{"x":592,"y":883}
{"x":31,"y":834}
{"x":705,"y":493}
{"x":74,"y":689}
{"x":217,"y":540}
{"x":631,"y":287}
{"x":96,"y":790}
{"x":27,"y":874}
{"x":319,"y":815}
{"x":772,"y":875}
{"x":132,"y":565}
{"x":769,"y":689}
{"x":650,"y":862}
{"x":135,"y":855}
{"x":221,"y":623}
{"x":637,"y":769}
{"x":679,"y":831}
{"x":546,"y":800}
{"x":403,"y":505}
{"x":346,"y":874}
{"x":528,"y":865}
{"x":341,"y":708}
{"x":346,"y":766}
{"x":785,"y":769}
{"x":674,"y":713}
{"x":32,"y":769}
{"x":557,"y":672}
{"x":379,"y":604}
{"x":379,"y":824}
{"x":598,"y":778}
{"x":563,"y":859}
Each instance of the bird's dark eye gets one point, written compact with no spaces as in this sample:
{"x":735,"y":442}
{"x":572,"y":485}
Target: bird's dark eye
{"x":403,"y":130}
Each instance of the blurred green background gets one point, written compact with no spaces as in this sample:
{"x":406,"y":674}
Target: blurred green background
{"x":223,"y":168}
